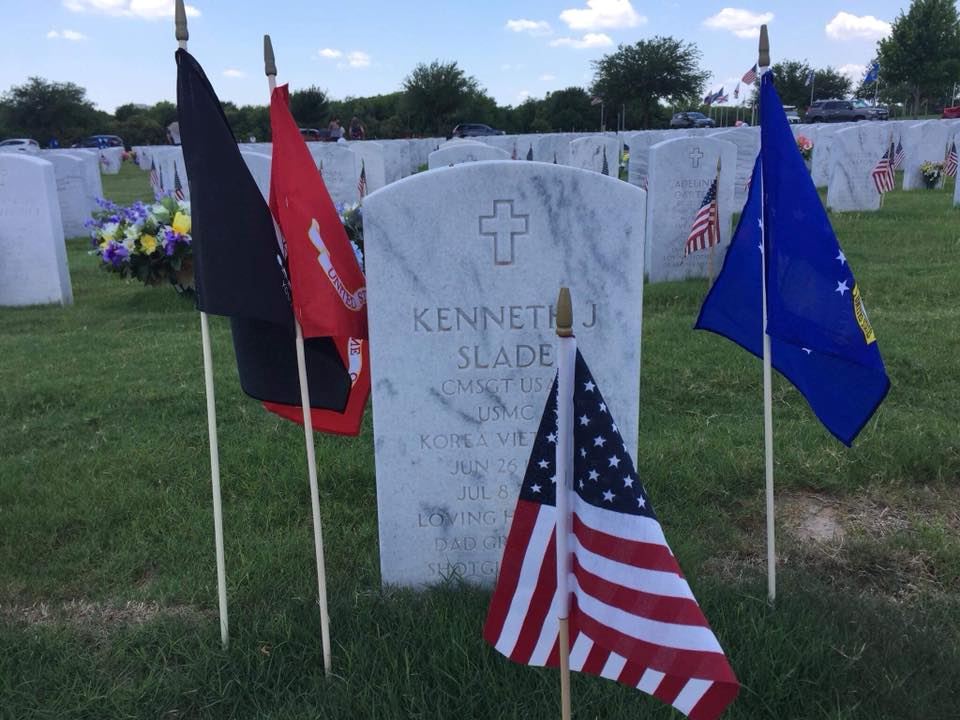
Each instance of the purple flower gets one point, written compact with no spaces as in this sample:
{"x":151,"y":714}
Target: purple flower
{"x":115,"y":254}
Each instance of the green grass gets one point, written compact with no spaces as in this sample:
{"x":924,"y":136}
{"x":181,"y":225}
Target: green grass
{"x":105,"y":500}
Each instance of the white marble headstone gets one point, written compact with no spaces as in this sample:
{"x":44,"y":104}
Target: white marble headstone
{"x":596,"y":153}
{"x":464,"y":152}
{"x":924,"y":142}
{"x":553,"y":148}
{"x":463,"y":269}
{"x":373,"y":163}
{"x":33,"y":255}
{"x":91,"y":164}
{"x":747,"y":141}
{"x":854,"y":153}
{"x":259,"y":166}
{"x":681,"y":172}
{"x":340,"y":167}
{"x":110,"y":160}
{"x":72,"y":195}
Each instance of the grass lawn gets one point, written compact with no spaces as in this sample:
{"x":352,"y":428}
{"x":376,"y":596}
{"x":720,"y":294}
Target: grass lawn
{"x":107,"y":579}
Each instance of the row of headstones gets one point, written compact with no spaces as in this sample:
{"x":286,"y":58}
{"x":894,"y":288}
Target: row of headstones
{"x":845,"y":154}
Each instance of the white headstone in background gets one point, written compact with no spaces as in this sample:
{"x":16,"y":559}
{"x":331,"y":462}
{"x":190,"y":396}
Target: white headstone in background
{"x":552,"y":149}
{"x":91,"y":164}
{"x":340,"y":167}
{"x":639,"y":144}
{"x":72,"y":195}
{"x":854,"y":153}
{"x":396,"y":160}
{"x":597,"y":153}
{"x":747,"y":141}
{"x":259,"y":166}
{"x":33,"y":255}
{"x":681,"y":172}
{"x":924,"y":142}
{"x":464,"y":152}
{"x":111,"y":160}
{"x":463,"y":269}
{"x":372,"y":162}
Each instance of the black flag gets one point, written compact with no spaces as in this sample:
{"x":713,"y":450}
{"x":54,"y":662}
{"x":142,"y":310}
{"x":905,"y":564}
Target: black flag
{"x":237,"y":260}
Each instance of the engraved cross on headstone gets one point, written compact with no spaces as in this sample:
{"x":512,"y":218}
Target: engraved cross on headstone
{"x":503,"y":226}
{"x":695,"y":157}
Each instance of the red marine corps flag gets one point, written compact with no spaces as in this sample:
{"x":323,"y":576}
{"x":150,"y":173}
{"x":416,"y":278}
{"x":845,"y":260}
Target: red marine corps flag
{"x":328,"y":287}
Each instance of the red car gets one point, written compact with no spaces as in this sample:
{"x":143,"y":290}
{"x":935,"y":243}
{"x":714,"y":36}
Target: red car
{"x":951,"y":113}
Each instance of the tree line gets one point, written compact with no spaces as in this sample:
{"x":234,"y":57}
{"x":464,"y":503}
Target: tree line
{"x":647,"y":80}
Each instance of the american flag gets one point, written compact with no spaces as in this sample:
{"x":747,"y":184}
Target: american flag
{"x":899,"y":156}
{"x":882,"y":173}
{"x":513,"y":155}
{"x":950,"y":163}
{"x":736,"y":92}
{"x":633,"y":617}
{"x":154,"y":178}
{"x":750,"y":76}
{"x":530,"y":153}
{"x":606,"y":166}
{"x":177,"y":185}
{"x":705,"y":231}
{"x":362,"y":182}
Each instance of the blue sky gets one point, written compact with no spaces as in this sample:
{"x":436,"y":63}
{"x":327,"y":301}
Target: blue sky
{"x":122,"y":50}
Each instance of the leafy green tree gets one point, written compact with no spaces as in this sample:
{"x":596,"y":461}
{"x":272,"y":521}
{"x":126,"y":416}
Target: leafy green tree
{"x":923,"y":50}
{"x":570,"y":109}
{"x":647,"y":74}
{"x":310,"y":107}
{"x":437,"y":95}
{"x":791,"y":78}
{"x":42,"y":109}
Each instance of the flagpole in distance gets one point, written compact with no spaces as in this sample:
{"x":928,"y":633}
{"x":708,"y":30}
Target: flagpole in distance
{"x":270,"y":69}
{"x":763,"y":65}
{"x":710,"y":251}
{"x":566,"y":364}
{"x":183,"y":35}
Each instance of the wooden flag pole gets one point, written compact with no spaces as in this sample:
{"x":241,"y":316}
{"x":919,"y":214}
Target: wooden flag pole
{"x":566,"y":364}
{"x":270,"y":68}
{"x":764,"y":66}
{"x":183,"y":35}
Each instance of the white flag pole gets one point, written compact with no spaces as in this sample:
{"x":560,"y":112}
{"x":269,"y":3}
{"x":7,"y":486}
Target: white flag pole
{"x":764,"y":66}
{"x":183,"y":36}
{"x":566,"y":364}
{"x":270,"y":67}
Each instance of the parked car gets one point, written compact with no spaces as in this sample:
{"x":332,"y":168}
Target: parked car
{"x":99,"y":141}
{"x":951,"y":113}
{"x":691,"y":119}
{"x":793,"y":117}
{"x":474,"y":130}
{"x":25,"y":145}
{"x":845,"y":111}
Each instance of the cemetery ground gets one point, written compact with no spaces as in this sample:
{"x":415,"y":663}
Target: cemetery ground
{"x":107,"y":577}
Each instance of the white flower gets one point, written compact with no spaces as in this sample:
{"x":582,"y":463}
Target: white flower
{"x":133,"y":232}
{"x":108,"y":231}
{"x":130,"y":245}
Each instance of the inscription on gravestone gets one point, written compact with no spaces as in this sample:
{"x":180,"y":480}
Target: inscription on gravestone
{"x":462,"y":343}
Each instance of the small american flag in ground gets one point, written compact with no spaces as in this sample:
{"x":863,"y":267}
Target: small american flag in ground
{"x":899,"y":156}
{"x":177,"y":185}
{"x":154,"y":178}
{"x":606,"y":166}
{"x":950,"y":163}
{"x":362,"y":182}
{"x":633,"y":617}
{"x":750,"y":76}
{"x":882,"y":173}
{"x":705,"y":231}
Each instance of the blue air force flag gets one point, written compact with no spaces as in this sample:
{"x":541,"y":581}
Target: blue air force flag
{"x":820,"y":336}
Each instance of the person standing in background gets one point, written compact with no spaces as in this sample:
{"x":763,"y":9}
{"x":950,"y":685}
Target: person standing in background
{"x":357,"y":131}
{"x":336,"y":131}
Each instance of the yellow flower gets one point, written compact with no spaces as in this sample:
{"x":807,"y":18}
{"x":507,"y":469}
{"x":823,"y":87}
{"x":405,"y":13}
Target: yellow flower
{"x":148,"y":243}
{"x":181,"y":223}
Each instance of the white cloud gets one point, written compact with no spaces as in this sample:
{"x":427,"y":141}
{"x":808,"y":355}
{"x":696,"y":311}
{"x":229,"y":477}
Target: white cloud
{"x":143,"y":9}
{"x":329,"y":53}
{"x":590,"y":40}
{"x":742,"y":23}
{"x":603,"y":14}
{"x":358,"y":59}
{"x":65,"y":35}
{"x":845,"y":26}
{"x":234,"y":73}
{"x":523,"y":95}
{"x":853,"y":71}
{"x":532,"y":27}
{"x":548,"y":77}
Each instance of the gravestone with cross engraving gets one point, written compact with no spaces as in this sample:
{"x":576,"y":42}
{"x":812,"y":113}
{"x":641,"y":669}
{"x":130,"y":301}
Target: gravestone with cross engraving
{"x":463,"y":269}
{"x":681,"y":173}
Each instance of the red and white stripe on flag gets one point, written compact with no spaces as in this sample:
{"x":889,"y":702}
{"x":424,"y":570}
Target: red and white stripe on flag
{"x":705,"y":231}
{"x":883,"y":174}
{"x":632,"y":617}
{"x":950,"y":164}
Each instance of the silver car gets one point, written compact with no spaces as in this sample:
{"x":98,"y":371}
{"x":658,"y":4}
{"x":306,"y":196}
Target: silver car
{"x":20,"y":145}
